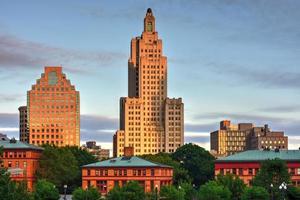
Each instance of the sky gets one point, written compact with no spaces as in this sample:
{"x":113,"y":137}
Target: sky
{"x":227,"y":59}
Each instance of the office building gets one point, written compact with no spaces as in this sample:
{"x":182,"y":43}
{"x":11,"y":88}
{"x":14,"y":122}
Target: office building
{"x":149,"y":120}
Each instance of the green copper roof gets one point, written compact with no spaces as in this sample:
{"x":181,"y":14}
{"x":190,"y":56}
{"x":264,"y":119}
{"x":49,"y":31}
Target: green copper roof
{"x":260,"y":155}
{"x":126,"y":162}
{"x":6,"y":144}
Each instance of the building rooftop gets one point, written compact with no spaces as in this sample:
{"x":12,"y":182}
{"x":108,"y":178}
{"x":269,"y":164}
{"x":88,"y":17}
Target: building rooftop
{"x":133,"y":161}
{"x":14,"y":144}
{"x":261,"y":155}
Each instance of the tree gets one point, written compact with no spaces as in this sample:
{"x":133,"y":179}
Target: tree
{"x":180,"y":174}
{"x":130,"y":191}
{"x":58,"y":165}
{"x":62,"y":165}
{"x":90,"y":194}
{"x":293,"y":192}
{"x":190,"y":193}
{"x":272,"y":172}
{"x":82,"y":157}
{"x":45,"y":190}
{"x":234,"y":184}
{"x":213,"y":191}
{"x":197,"y":161}
{"x":170,"y":193}
{"x":255,"y":193}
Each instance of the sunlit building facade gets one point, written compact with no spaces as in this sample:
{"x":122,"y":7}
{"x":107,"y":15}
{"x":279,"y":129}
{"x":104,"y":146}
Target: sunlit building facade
{"x":234,"y":138}
{"x":149,"y":120}
{"x":53,"y":110}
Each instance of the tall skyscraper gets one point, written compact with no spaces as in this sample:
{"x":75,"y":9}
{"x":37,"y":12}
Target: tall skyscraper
{"x":149,"y":121}
{"x":53,"y":110}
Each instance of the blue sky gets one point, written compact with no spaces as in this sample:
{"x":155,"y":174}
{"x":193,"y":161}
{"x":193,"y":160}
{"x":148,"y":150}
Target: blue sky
{"x":227,"y":59}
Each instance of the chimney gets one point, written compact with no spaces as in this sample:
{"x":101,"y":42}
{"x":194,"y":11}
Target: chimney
{"x":225,"y":124}
{"x":128,"y":151}
{"x":266,"y":128}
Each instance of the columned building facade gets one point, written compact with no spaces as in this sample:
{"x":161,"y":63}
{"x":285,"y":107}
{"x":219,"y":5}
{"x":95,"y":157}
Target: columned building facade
{"x":149,"y":120}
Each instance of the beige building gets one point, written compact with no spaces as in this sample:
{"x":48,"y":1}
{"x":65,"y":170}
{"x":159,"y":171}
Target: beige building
{"x":149,"y":120}
{"x":232,"y":138}
{"x":96,"y":150}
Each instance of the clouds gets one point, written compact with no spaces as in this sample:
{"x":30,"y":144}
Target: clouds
{"x":17,"y":53}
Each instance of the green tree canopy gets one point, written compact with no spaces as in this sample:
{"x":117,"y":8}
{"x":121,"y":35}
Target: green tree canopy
{"x":293,"y":192}
{"x":58,"y":165}
{"x":272,"y":172}
{"x":45,"y":190}
{"x":170,"y":192}
{"x":234,"y":184}
{"x":62,"y":165}
{"x":255,"y":193}
{"x":197,"y":161}
{"x":130,"y":191}
{"x":90,"y":194}
{"x":180,"y":174}
{"x":10,"y":190}
{"x":213,"y":191}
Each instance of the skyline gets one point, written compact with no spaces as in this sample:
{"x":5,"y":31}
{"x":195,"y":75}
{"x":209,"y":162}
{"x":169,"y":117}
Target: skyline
{"x":226,"y":51}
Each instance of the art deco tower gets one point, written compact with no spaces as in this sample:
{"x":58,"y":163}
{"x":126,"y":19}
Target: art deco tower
{"x":149,"y":121}
{"x":53,"y":110}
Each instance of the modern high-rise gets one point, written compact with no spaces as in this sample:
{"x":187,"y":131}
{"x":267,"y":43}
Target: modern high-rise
{"x":232,"y":138}
{"x":149,"y":120}
{"x":53,"y":110}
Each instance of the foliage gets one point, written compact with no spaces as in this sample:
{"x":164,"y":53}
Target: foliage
{"x":255,"y":193}
{"x":180,"y":174}
{"x":272,"y":172}
{"x":130,"y":191}
{"x":90,"y":194}
{"x":63,"y":165}
{"x":293,"y":192}
{"x":10,"y":190}
{"x":189,"y":191}
{"x":197,"y":161}
{"x":170,"y":193}
{"x":45,"y":190}
{"x":234,"y":184}
{"x":213,"y":191}
{"x":83,"y":157}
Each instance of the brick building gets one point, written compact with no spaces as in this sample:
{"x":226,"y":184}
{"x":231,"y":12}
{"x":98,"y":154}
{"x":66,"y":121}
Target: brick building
{"x":53,"y":110}
{"x":21,"y":160}
{"x":106,"y":175}
{"x":149,"y":120}
{"x":246,"y":164}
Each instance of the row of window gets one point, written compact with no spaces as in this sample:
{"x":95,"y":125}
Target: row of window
{"x":10,"y":154}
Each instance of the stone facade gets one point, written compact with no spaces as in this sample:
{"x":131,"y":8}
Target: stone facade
{"x":149,"y":121}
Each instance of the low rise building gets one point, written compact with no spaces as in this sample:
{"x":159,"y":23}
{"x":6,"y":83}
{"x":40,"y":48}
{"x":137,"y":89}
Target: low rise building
{"x":21,"y":160}
{"x":246,"y":164}
{"x":232,"y":138}
{"x":118,"y":171}
{"x":96,"y":150}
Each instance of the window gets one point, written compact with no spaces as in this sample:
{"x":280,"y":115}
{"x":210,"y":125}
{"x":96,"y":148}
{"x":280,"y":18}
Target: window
{"x":240,"y":171}
{"x":152,"y":172}
{"x":250,"y":171}
{"x":88,"y":172}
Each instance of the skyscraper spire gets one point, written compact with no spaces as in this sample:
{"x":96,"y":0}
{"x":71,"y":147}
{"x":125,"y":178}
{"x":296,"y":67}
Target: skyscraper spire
{"x":150,"y":122}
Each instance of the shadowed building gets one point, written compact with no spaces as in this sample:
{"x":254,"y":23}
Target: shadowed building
{"x":53,"y":110}
{"x":149,"y":120}
{"x":23,"y":129}
{"x":21,"y":160}
{"x":231,"y":138}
